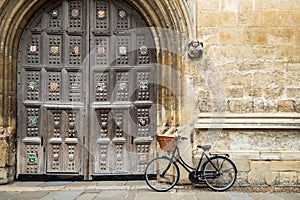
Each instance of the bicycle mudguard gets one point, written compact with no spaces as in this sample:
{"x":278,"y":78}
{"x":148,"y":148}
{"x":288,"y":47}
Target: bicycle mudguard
{"x":220,"y":154}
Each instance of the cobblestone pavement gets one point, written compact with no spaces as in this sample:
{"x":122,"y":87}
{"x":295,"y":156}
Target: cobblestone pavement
{"x":135,"y":190}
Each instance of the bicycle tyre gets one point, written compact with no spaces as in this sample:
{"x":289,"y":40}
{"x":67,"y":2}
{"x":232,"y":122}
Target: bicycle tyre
{"x":222,"y":180}
{"x":154,"y":170}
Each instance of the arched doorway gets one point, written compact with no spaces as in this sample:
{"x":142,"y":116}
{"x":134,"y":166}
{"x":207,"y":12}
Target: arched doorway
{"x":86,"y":98}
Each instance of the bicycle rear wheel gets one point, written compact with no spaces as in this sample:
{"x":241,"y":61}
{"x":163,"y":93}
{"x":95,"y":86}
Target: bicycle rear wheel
{"x":219,"y":173}
{"x":162,"y":174}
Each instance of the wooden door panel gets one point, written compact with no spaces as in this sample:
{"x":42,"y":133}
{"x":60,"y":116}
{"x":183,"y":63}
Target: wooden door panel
{"x":31,"y":143}
{"x":111,"y":141}
{"x":75,"y":86}
{"x":63,"y":151}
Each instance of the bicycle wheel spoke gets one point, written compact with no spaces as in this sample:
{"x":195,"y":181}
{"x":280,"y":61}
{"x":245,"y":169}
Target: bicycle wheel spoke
{"x":166,"y":174}
{"x":227,"y":170}
{"x":221,"y":164}
{"x":215,"y":177}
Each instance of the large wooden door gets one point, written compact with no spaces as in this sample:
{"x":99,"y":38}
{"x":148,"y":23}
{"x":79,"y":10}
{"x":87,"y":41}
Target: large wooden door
{"x":86,"y":91}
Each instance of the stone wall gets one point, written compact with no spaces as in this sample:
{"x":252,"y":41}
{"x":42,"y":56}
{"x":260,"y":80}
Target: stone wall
{"x":254,"y":46}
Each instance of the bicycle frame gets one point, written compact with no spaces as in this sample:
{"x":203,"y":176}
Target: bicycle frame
{"x":188,"y":168}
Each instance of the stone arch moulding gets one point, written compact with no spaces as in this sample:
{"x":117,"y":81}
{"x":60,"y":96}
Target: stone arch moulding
{"x":171,"y":25}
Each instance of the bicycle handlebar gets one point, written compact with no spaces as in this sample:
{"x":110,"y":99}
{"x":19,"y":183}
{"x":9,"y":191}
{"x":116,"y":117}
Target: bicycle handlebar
{"x":179,"y":137}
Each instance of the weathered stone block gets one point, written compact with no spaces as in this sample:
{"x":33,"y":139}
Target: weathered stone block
{"x":248,"y":18}
{"x":235,"y":92}
{"x":3,"y":153}
{"x":212,"y":5}
{"x":3,"y":175}
{"x":255,"y":92}
{"x":260,"y":105}
{"x":229,"y":35}
{"x":270,"y":155}
{"x":290,"y":155}
{"x":268,"y":18}
{"x":288,"y":178}
{"x":209,"y":33}
{"x":271,"y":79}
{"x":265,"y":5}
{"x":285,"y":18}
{"x":247,"y":155}
{"x":242,"y":165}
{"x":206,"y":18}
{"x":233,"y":51}
{"x":204,"y":106}
{"x":227,"y":18}
{"x":286,"y":106}
{"x":241,"y":179}
{"x":296,"y":17}
{"x":240,"y":106}
{"x":230,"y":5}
{"x":246,"y":5}
{"x":297,"y":106}
{"x":287,"y":140}
{"x":297,"y":35}
{"x":293,"y":93}
{"x":260,"y":166}
{"x":285,"y":165}
{"x":293,"y":78}
{"x":281,"y":36}
{"x":257,"y":177}
{"x":287,"y":52}
{"x":273,"y":93}
{"x":256,"y":35}
{"x":288,"y":5}
{"x":271,"y":18}
{"x":272,"y":178}
{"x":236,"y":79}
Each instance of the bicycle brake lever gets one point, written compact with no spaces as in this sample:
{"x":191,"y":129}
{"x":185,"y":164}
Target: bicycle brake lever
{"x":181,"y":137}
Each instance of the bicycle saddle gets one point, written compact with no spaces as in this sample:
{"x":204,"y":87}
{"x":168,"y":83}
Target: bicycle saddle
{"x":204,"y":147}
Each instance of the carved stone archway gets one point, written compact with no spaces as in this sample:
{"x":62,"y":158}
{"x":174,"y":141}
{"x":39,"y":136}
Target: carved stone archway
{"x":166,"y":17}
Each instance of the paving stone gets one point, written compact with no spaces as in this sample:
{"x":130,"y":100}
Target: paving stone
{"x":180,"y":196}
{"x":36,"y":195}
{"x":211,"y":196}
{"x":92,"y":191}
{"x":113,"y":183}
{"x":55,"y":183}
{"x":65,"y":195}
{"x":289,"y":196}
{"x":87,"y":196}
{"x":237,"y":196}
{"x":136,"y":183}
{"x":112,"y":195}
{"x":27,"y":183}
{"x":154,"y":196}
{"x":82,"y":183}
{"x":263,"y":196}
{"x":132,"y":195}
{"x":8,"y":195}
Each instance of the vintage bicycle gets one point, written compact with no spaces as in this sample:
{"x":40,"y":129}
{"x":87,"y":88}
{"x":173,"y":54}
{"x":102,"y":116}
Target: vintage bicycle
{"x":162,"y":173}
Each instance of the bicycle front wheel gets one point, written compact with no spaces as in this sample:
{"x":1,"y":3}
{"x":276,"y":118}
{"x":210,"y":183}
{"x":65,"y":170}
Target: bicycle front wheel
{"x":161,"y":174}
{"x":219,"y":173}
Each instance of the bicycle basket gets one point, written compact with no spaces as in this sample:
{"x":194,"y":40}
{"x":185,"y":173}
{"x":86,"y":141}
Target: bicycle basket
{"x":166,"y":142}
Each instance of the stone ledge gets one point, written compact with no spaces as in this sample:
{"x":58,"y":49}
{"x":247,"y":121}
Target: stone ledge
{"x":273,"y":121}
{"x":261,"y":155}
